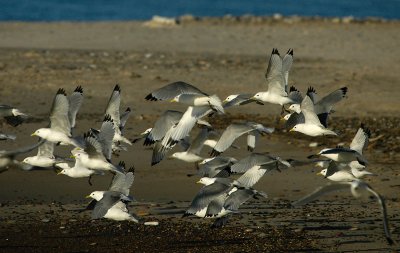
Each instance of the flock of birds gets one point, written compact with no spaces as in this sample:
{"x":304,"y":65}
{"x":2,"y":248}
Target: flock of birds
{"x":221,"y":195}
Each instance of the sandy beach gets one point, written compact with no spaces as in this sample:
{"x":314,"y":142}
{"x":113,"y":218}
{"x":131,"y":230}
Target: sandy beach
{"x":40,"y":211}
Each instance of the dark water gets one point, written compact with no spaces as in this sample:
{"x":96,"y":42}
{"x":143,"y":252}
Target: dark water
{"x":96,"y":10}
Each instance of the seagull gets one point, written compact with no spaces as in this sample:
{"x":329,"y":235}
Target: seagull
{"x":277,"y":76}
{"x":254,"y":166}
{"x":322,"y":107}
{"x":192,"y":154}
{"x":112,"y":109}
{"x":12,"y":115}
{"x":334,"y":173}
{"x":45,"y":157}
{"x":234,"y":131}
{"x":7,"y":158}
{"x":311,"y":125}
{"x":178,"y":131}
{"x":92,"y":156}
{"x":218,"y":198}
{"x":60,"y":125}
{"x":187,"y":94}
{"x":164,"y":123}
{"x":358,"y":189}
{"x":215,"y":167}
{"x":347,"y":155}
{"x":77,"y":170}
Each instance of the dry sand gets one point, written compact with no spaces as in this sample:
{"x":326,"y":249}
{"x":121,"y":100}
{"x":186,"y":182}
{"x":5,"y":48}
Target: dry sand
{"x":218,"y":57}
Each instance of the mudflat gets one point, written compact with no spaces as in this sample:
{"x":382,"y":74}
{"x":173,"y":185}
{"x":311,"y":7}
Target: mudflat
{"x":41,"y":212}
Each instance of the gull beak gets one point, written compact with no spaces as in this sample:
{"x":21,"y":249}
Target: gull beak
{"x":173,"y":100}
{"x":291,"y":130}
{"x":58,"y":173}
{"x":198,"y":182}
{"x":282,"y":119}
{"x":170,"y":157}
{"x":72,"y":156}
{"x":34,"y":134}
{"x":319,"y":174}
{"x":88,"y":197}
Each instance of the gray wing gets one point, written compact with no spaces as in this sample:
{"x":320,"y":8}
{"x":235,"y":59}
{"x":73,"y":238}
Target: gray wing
{"x":360,"y":141}
{"x":185,"y":124}
{"x":237,"y":198}
{"x":124,"y":118}
{"x":286,"y":65}
{"x":295,"y":95}
{"x":103,"y":205}
{"x":250,"y":161}
{"x":106,"y":135}
{"x":294,"y":119}
{"x":307,"y":108}
{"x":122,"y":183}
{"x":322,"y":191}
{"x":75,"y":102}
{"x":338,"y":150}
{"x":206,"y":195}
{"x":252,"y":138}
{"x":59,"y":120}
{"x":46,"y":149}
{"x":172,"y":90}
{"x":231,"y":133}
{"x":251,"y":176}
{"x":332,"y":168}
{"x":162,"y":125}
{"x":326,"y":103}
{"x":112,"y":108}
{"x":241,"y":99}
{"x":12,"y":153}
{"x":215,"y":206}
{"x":274,"y":74}
{"x":381,"y":202}
{"x":93,"y":147}
{"x":159,"y":152}
{"x":198,"y":142}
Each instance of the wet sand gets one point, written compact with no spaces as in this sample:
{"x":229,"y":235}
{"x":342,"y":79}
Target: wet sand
{"x":218,"y":57}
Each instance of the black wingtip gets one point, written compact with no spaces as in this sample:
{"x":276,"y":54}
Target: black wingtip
{"x":344,"y":91}
{"x":61,"y":91}
{"x":311,"y":90}
{"x":148,"y":142}
{"x":186,"y":215}
{"x":132,"y":169}
{"x":128,"y":109}
{"x":107,"y":117}
{"x":250,"y":149}
{"x":150,"y":97}
{"x":292,"y":88}
{"x":366,"y":130}
{"x":214,"y":153}
{"x":290,"y":51}
{"x":117,"y":88}
{"x":275,"y":51}
{"x":79,"y":89}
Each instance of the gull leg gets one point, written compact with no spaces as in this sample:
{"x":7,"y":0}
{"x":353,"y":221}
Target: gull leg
{"x":89,"y":180}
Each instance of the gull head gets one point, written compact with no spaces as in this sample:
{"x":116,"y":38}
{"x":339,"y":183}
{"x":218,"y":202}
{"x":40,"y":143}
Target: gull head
{"x":42,"y":133}
{"x":257,"y":96}
{"x":206,"y":180}
{"x":294,"y":129}
{"x":294,"y":108}
{"x":286,"y":117}
{"x":177,"y":155}
{"x":229,"y":98}
{"x":27,"y":160}
{"x":97,"y":195}
{"x":323,"y":172}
